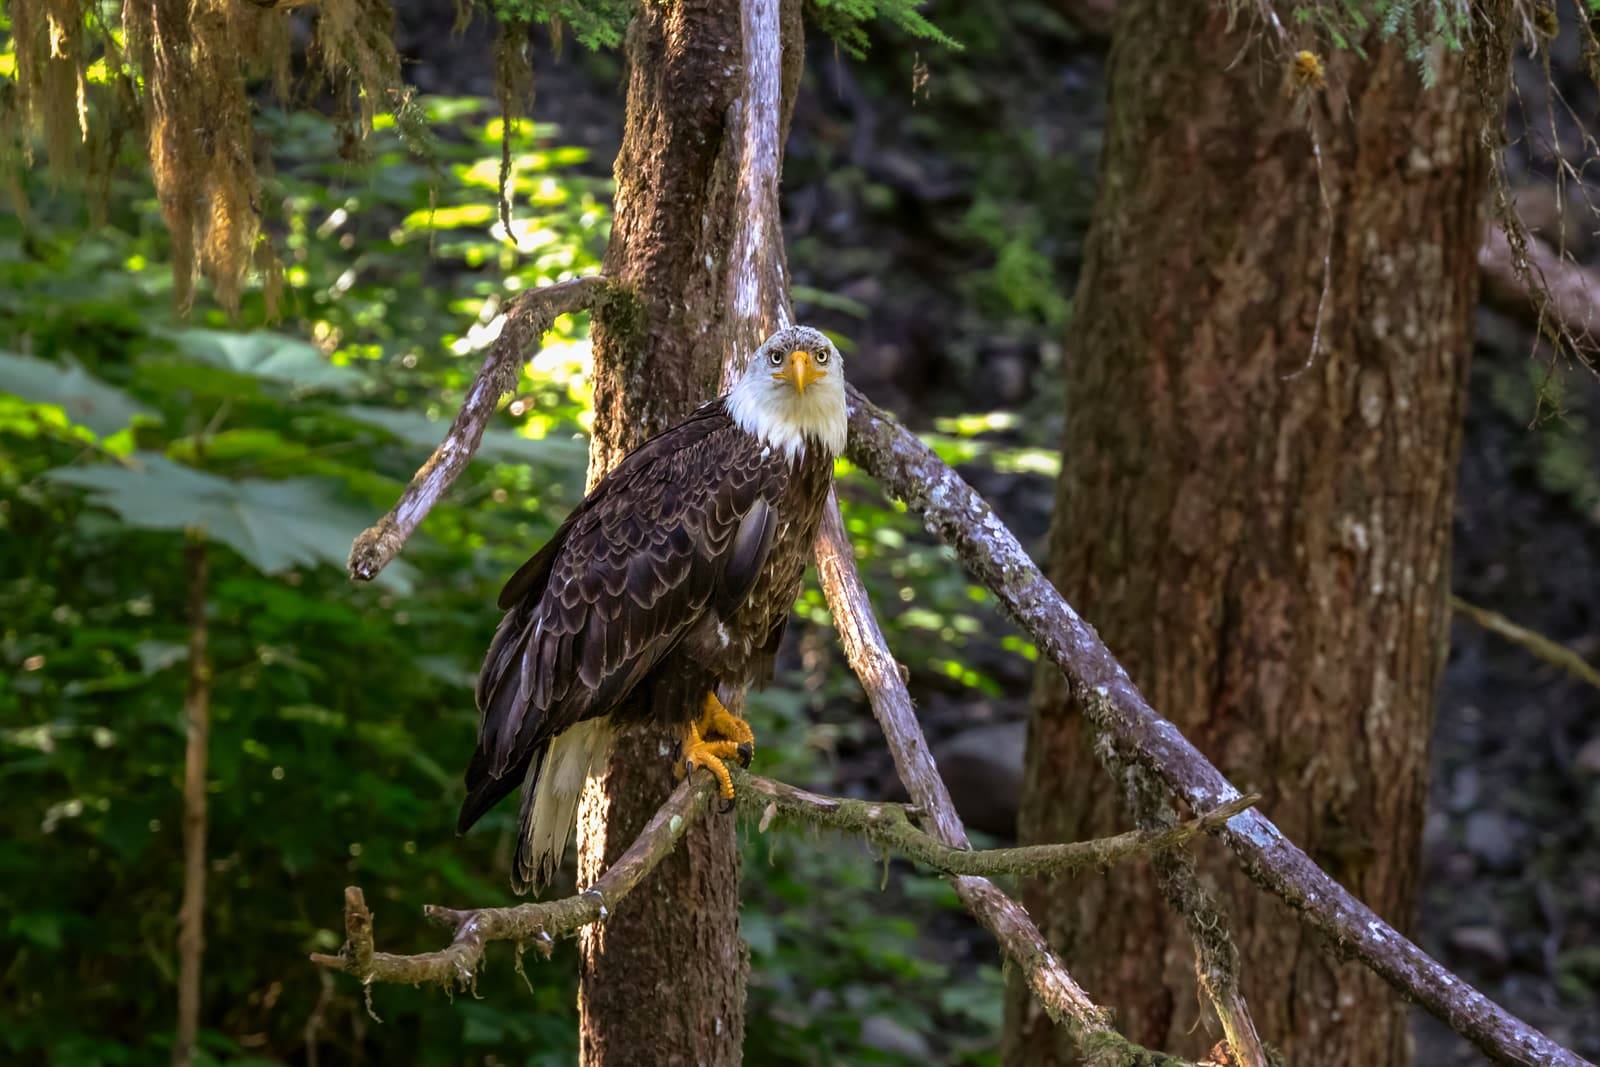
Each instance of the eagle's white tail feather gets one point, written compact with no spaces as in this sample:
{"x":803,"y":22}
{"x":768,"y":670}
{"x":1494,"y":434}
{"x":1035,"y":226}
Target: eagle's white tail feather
{"x":571,"y":760}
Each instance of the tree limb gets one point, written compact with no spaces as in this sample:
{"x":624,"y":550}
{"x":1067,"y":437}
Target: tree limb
{"x":868,"y":654}
{"x":955,"y":514}
{"x":1557,"y":297}
{"x":197,"y":728}
{"x":884,"y":824}
{"x":1557,"y":655}
{"x":527,"y":317}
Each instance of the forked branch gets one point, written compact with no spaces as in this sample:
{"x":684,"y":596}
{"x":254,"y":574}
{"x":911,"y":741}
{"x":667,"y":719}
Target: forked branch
{"x":957,"y":515}
{"x":889,"y":826}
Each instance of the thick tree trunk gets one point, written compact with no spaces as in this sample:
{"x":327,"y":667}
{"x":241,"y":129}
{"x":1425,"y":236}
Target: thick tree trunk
{"x":1264,"y":543}
{"x":663,"y":979}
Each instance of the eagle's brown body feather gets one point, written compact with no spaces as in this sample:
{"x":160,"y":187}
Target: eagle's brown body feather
{"x":674,"y":577}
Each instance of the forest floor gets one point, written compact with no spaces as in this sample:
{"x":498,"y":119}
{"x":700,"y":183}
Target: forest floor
{"x":902,"y":205}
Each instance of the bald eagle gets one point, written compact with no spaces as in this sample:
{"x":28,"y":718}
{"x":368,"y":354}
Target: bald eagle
{"x":663,"y":594}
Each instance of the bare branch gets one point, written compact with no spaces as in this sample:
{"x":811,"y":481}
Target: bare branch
{"x":890,"y":827}
{"x":887,"y":825}
{"x":1557,"y":655}
{"x":1556,"y":296}
{"x":955,"y":514}
{"x":868,"y":653}
{"x":527,"y":318}
{"x":535,"y":923}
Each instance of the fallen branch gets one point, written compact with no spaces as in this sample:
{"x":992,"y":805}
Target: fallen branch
{"x":868,"y":654}
{"x":527,"y":317}
{"x":957,"y":515}
{"x":1538,"y":644}
{"x":1557,"y":297}
{"x":884,"y":824}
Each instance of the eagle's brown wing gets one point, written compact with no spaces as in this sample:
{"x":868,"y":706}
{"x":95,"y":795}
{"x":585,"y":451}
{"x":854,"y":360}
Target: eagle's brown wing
{"x":681,"y":526}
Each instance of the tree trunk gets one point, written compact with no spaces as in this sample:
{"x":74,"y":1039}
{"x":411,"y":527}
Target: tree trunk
{"x":1264,"y":541}
{"x":197,"y":725}
{"x":663,"y":978}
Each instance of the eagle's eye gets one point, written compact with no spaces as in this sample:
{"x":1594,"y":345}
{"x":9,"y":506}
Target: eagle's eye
{"x":776,"y":359}
{"x":822,"y":357}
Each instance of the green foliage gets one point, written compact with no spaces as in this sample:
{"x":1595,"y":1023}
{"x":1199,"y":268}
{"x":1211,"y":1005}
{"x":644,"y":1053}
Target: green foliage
{"x":846,"y":22}
{"x":343,"y":713}
{"x":1420,"y":25}
{"x":595,"y":23}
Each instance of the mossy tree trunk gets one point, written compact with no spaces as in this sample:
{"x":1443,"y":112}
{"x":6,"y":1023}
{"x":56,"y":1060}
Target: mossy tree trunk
{"x":663,"y":979}
{"x":1264,"y":543}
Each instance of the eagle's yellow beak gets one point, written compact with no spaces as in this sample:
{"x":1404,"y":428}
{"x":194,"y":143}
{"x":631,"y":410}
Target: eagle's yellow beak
{"x":800,"y":371}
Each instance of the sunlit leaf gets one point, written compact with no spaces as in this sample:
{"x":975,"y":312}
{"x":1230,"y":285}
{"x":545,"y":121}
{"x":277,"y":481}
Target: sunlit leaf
{"x":84,"y":398}
{"x":275,"y":525}
{"x":263,"y":354}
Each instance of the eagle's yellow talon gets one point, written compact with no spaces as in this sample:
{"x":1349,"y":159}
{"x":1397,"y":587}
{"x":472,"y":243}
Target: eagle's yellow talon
{"x":698,"y":752}
{"x":716,"y":719}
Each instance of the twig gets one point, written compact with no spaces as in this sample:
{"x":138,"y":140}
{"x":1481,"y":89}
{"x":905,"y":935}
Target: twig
{"x":197,"y":725}
{"x":884,"y":824}
{"x":868,"y":654}
{"x":527,"y":318}
{"x":955,"y":514}
{"x":1556,"y":655}
{"x":1524,"y":277}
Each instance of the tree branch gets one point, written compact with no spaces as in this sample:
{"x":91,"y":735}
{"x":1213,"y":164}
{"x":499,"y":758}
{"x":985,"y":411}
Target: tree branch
{"x":868,"y":654}
{"x":1556,"y":296}
{"x":955,"y":514}
{"x":1557,"y":655}
{"x":884,"y":824}
{"x":527,"y":318}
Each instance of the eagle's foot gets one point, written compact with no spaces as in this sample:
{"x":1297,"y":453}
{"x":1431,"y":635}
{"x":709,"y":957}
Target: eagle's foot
{"x":716,"y":719}
{"x":698,"y":752}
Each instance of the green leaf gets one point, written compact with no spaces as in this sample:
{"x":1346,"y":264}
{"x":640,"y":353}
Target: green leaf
{"x":263,"y":354}
{"x":84,"y":398}
{"x":275,"y":525}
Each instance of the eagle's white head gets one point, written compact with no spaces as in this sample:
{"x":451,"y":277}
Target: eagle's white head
{"x":792,"y":393}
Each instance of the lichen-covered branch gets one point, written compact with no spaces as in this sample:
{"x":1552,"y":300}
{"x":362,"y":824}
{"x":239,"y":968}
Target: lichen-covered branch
{"x":890,"y":827}
{"x":528,"y":316}
{"x":868,"y":654}
{"x":537,"y":924}
{"x":1216,"y":955}
{"x":957,"y":515}
{"x":887,"y":825}
{"x":1553,"y":653}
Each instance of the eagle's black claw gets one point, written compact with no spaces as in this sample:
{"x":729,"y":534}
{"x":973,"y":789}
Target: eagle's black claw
{"x":747,"y":752}
{"x":725,"y":807}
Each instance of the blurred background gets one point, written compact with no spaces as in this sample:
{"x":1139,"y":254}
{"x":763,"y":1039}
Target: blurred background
{"x":934,"y":202}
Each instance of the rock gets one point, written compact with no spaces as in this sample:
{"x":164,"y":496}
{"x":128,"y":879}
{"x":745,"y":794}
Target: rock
{"x":1492,"y":838}
{"x":1481,"y":945}
{"x":1587,"y":761}
{"x":983,"y":768}
{"x":884,"y":1034}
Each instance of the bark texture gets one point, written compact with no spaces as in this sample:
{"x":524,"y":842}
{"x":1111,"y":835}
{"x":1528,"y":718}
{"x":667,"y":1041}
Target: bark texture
{"x":663,"y":977}
{"x":1264,"y":544}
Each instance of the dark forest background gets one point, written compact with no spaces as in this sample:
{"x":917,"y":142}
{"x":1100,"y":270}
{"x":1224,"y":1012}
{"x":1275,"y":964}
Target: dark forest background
{"x":935,"y":201}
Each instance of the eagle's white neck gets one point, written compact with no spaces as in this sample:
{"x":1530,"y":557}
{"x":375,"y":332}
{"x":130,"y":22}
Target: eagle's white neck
{"x":788,"y":421}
